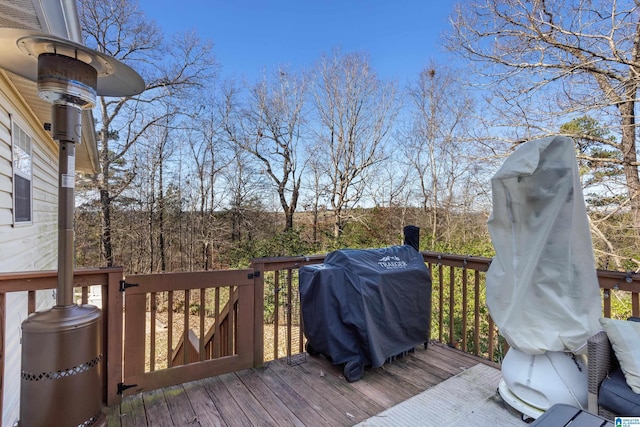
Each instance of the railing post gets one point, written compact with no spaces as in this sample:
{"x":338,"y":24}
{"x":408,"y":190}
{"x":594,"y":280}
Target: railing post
{"x":258,"y":318}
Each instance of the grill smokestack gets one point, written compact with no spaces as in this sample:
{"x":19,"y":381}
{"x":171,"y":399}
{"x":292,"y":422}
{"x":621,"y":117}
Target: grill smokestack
{"x":412,"y":236}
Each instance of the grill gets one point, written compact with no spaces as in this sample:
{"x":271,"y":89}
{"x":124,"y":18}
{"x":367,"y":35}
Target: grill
{"x":366,"y":307}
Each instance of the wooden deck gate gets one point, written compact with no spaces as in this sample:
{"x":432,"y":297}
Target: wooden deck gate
{"x":179,"y":327}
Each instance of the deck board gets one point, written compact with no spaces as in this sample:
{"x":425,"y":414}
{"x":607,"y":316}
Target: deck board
{"x":292,"y":400}
{"x":314,"y":396}
{"x":205,"y":411}
{"x":311,"y":379}
{"x":312,"y":393}
{"x":156,"y":408}
{"x":231,"y":412}
{"x":320,"y":366}
{"x":132,"y":412}
{"x":179,"y":406}
{"x":255,"y":412}
{"x":268,"y":399}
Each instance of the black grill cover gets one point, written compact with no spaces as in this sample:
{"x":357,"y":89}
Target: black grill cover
{"x":368,"y":305}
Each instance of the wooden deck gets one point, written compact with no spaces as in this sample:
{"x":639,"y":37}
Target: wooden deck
{"x":308,"y":394}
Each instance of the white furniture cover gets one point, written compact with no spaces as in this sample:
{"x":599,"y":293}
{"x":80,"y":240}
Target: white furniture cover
{"x":542,"y":288}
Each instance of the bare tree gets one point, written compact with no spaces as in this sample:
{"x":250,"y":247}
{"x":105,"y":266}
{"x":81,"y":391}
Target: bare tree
{"x":435,"y":145}
{"x":560,"y":58}
{"x":355,"y":111}
{"x":269,"y":127}
{"x":120,"y":29}
{"x":317,"y":192}
{"x":208,"y":159}
{"x":160,"y":147}
{"x":243,"y":187}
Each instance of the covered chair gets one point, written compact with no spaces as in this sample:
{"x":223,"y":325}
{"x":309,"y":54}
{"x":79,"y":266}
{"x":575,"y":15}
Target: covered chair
{"x":609,"y":393}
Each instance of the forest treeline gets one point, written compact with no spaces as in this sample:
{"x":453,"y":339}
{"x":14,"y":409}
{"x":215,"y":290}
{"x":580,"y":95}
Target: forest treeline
{"x":198,"y":172}
{"x":192,"y":242}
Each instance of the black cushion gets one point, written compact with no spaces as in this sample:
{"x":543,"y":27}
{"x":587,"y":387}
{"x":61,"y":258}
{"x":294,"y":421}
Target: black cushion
{"x":617,"y":396}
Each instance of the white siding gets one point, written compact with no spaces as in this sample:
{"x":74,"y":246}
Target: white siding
{"x":24,"y":247}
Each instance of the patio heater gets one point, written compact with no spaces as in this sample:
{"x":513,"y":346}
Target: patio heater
{"x":542,"y":289}
{"x":61,"y":382}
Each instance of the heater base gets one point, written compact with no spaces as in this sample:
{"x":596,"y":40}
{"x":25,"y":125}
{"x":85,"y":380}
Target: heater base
{"x":532,"y":384}
{"x":61,"y":368}
{"x":512,"y":400}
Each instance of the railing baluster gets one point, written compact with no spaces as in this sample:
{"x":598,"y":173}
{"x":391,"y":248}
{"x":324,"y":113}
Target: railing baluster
{"x":440,"y":303}
{"x":430,"y":267}
{"x":300,"y":323}
{"x":289,"y":326}
{"x":202,"y":330}
{"x":452,"y":306}
{"x":170,"y":329}
{"x":476,"y":313}
{"x":276,"y":312}
{"x":464,"y":309}
{"x":491,"y":337}
{"x":185,"y":330}
{"x":231,"y":322}
{"x":31,"y":302}
{"x":216,"y":333}
{"x":152,"y":325}
{"x":635,"y":304}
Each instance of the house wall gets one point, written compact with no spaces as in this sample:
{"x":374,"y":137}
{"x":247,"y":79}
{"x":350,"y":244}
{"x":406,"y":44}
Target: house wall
{"x":24,"y":247}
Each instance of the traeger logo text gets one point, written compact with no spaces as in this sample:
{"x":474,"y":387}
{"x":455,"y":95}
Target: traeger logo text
{"x":391,"y":262}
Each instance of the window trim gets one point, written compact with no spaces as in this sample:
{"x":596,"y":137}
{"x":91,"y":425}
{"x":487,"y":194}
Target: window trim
{"x":15,"y":128}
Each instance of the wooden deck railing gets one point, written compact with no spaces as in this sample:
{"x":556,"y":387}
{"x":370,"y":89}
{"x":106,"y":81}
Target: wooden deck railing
{"x":277,"y":300}
{"x":238,"y":318}
{"x":459,"y":315}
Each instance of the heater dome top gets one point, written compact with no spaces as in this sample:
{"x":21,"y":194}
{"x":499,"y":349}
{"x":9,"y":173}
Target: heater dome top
{"x":19,"y":51}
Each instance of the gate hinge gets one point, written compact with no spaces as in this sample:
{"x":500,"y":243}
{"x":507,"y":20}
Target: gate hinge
{"x":122,"y":387}
{"x":124,"y":285}
{"x":253,"y":275}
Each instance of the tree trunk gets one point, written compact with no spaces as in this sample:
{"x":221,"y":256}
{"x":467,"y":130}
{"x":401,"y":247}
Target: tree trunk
{"x":315,"y":224}
{"x":288,"y":223}
{"x":105,"y":206}
{"x":163,"y":258}
{"x":629,"y":159}
{"x":152,"y":205}
{"x":337,"y":224}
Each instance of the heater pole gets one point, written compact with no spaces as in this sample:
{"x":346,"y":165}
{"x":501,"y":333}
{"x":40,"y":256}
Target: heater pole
{"x":66,"y":129}
{"x":64,"y":294}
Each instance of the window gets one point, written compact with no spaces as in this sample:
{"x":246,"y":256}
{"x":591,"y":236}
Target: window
{"x":21,"y":175}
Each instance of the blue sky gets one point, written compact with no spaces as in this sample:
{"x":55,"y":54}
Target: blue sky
{"x":249,"y":36}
